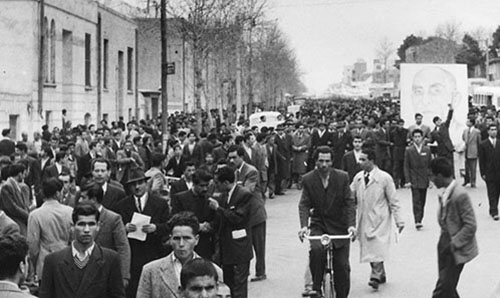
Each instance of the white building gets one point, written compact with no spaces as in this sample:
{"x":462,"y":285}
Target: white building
{"x":76,"y":55}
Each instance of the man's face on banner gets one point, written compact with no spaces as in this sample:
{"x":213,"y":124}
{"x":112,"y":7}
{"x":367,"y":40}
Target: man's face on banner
{"x":432,"y":90}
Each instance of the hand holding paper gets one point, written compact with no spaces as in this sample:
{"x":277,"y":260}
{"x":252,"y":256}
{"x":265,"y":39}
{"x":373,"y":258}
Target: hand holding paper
{"x":141,"y":223}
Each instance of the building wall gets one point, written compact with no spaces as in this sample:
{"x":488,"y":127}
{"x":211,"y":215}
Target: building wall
{"x":18,"y":63}
{"x":119,"y":32}
{"x":69,"y":91}
{"x":180,"y":85}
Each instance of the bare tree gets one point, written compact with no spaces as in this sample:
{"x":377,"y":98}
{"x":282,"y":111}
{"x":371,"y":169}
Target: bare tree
{"x":450,"y":30}
{"x":384,"y":51}
{"x":209,"y":25}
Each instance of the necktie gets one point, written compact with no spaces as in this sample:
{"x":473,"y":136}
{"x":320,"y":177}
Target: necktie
{"x":441,"y":209}
{"x":237,"y":175}
{"x":367,"y":178}
{"x":138,"y":203}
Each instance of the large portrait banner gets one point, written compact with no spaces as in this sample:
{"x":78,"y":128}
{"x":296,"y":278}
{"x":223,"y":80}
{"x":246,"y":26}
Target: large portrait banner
{"x":429,"y":88}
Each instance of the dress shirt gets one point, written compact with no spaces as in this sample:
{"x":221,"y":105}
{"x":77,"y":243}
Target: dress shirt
{"x":231,"y":193}
{"x":178,"y":265}
{"x":85,"y":255}
{"x":142,"y":201}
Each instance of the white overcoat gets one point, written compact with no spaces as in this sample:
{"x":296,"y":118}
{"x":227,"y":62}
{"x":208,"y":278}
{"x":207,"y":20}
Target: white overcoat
{"x":377,"y":206}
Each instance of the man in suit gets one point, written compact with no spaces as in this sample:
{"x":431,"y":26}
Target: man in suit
{"x":248,"y":177}
{"x":319,"y":137}
{"x":457,"y":243}
{"x":399,"y":136}
{"x":160,"y":278}
{"x":13,"y":266}
{"x":126,"y":160}
{"x":383,"y":146}
{"x":441,"y":135}
{"x":111,"y":232}
{"x":85,"y":162}
{"x":186,"y":182}
{"x":424,"y":128}
{"x":49,"y":227}
{"x":7,"y":146}
{"x":283,"y":156}
{"x":489,"y":167}
{"x":54,"y":170}
{"x":350,"y":160}
{"x":232,"y":224}
{"x":84,"y":269}
{"x":417,"y":171}
{"x":140,"y":201}
{"x":471,"y":137}
{"x":177,"y":163}
{"x":326,"y":191}
{"x":341,"y":141}
{"x":113,"y":193}
{"x":221,"y":151}
{"x":12,"y":201}
{"x":33,"y":179}
{"x":7,"y":225}
{"x":192,"y":151}
{"x":195,"y":200}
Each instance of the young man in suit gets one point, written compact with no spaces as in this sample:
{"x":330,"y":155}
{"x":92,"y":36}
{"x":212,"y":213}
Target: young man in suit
{"x":113,"y":193}
{"x":126,"y":160}
{"x":140,"y":201}
{"x":13,"y":266}
{"x":54,"y":170}
{"x":341,"y":141}
{"x":195,"y":200}
{"x":160,"y":278}
{"x":248,"y":177}
{"x":326,"y":186}
{"x":49,"y":227}
{"x":350,"y":160}
{"x":111,"y":232}
{"x":471,"y":137}
{"x":232,"y":222}
{"x":186,"y":182}
{"x":417,"y":171}
{"x":177,"y":163}
{"x":84,"y":269}
{"x":489,"y":167}
{"x":12,"y":200}
{"x":457,"y":244}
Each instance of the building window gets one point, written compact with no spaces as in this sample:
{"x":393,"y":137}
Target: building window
{"x":46,"y":57}
{"x":87,"y":59}
{"x":105,"y":64}
{"x":53,"y":52}
{"x":130,"y":59}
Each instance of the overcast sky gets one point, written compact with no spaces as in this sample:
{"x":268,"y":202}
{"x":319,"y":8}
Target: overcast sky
{"x":328,"y":34}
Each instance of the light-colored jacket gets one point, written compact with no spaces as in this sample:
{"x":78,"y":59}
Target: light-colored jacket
{"x":8,"y":290}
{"x":160,"y":280}
{"x":471,"y":140}
{"x":377,"y":206}
{"x":49,"y":230}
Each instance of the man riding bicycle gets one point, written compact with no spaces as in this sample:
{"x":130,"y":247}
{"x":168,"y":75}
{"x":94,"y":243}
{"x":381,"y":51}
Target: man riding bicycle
{"x":326,"y":191}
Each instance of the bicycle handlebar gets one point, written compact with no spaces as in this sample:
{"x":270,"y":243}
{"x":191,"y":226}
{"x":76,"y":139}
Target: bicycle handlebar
{"x":330,"y":237}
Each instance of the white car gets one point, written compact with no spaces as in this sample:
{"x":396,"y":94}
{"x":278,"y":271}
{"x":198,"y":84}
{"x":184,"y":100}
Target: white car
{"x":266,"y":118}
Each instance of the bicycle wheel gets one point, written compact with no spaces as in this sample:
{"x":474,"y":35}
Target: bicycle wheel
{"x":328,"y":290}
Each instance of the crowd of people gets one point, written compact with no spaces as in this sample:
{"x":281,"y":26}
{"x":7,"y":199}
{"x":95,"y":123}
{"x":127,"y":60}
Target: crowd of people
{"x":110,"y":209}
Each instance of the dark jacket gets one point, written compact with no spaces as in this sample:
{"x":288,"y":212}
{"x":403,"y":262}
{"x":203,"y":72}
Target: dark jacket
{"x":489,"y":160}
{"x":233,"y":227}
{"x":100,"y":279}
{"x":333,"y":208}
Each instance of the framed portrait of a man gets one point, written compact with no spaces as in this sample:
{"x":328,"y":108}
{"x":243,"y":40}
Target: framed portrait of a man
{"x":428,"y":89}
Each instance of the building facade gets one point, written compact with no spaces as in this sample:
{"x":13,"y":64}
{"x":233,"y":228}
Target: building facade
{"x":55,"y":58}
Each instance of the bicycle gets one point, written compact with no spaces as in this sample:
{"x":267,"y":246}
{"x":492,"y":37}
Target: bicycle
{"x":326,"y":240}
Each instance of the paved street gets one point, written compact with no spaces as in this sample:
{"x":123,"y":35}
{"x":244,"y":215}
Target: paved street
{"x":412,"y":270}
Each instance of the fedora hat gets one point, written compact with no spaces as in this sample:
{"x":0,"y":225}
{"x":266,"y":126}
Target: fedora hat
{"x":136,"y":174}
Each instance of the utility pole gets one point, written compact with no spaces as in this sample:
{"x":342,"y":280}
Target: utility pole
{"x":250,"y":83}
{"x":164,"y":98}
{"x":487,"y":60}
{"x":238,"y":79}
